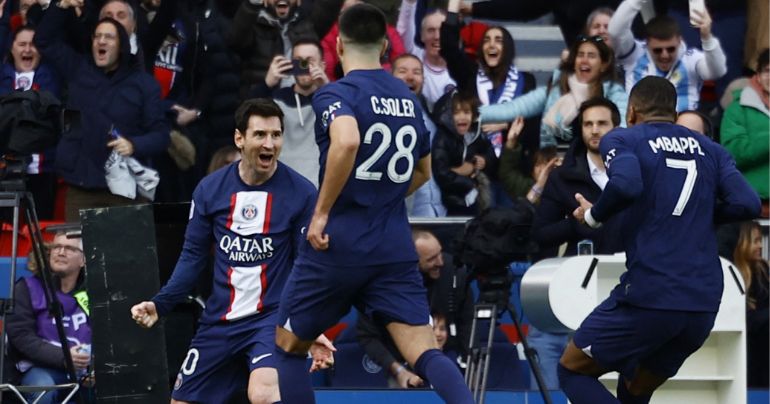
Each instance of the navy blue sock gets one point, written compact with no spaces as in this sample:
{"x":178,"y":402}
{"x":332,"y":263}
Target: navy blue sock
{"x":626,"y":397}
{"x":293,"y":378}
{"x":438,"y":370}
{"x":583,"y":389}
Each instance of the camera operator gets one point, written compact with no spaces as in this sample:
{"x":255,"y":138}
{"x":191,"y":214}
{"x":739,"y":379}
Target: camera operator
{"x":448,"y":296}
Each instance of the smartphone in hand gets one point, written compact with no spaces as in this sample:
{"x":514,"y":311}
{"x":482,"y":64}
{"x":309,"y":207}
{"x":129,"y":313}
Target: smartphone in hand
{"x":697,"y":5}
{"x":300,"y":66}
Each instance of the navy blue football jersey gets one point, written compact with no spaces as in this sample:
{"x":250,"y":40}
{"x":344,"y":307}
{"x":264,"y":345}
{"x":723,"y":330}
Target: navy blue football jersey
{"x":368,"y":223}
{"x":254,"y":232}
{"x":676,"y":183}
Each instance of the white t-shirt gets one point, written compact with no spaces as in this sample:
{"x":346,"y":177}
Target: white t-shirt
{"x":436,"y":80}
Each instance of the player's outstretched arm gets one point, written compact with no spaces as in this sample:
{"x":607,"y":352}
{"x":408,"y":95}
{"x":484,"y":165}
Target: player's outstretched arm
{"x":421,"y":174}
{"x":345,"y":139}
{"x":145,"y":314}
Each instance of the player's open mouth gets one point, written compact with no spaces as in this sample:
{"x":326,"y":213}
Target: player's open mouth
{"x":265,"y":158}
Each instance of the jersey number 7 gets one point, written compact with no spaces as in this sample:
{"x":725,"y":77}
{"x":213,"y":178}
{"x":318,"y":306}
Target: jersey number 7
{"x":402,"y":151}
{"x":689,"y":182}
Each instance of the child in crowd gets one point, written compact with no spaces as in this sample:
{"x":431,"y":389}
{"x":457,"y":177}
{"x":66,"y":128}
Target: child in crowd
{"x":461,"y":156}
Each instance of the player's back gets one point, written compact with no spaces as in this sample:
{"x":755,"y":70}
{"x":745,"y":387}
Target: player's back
{"x":368,"y":222}
{"x":669,"y":233}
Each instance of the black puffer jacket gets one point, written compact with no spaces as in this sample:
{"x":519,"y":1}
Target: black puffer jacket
{"x":451,"y":150}
{"x":257,"y":35}
{"x":217,"y":95}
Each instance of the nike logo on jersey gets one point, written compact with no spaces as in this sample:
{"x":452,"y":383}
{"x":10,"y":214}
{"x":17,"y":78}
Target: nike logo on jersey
{"x":302,"y":230}
{"x":240,"y":227}
{"x":260,"y":357}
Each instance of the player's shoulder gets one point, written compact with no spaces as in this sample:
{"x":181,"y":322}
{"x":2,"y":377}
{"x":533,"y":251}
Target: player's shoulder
{"x":298,"y":184}
{"x":620,"y":135}
{"x":215,"y":180}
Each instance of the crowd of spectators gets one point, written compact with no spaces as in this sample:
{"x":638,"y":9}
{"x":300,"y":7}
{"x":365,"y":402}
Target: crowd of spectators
{"x":159,"y":80}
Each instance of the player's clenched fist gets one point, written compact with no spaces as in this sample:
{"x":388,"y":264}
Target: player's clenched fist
{"x":315,"y":232}
{"x":145,"y":314}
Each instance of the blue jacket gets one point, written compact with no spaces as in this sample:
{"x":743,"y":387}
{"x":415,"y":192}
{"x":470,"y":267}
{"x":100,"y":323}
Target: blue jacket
{"x":45,"y":79}
{"x":127,"y":99}
{"x":540,"y":100}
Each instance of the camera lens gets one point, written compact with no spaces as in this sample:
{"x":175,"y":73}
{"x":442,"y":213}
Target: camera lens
{"x":304,"y":64}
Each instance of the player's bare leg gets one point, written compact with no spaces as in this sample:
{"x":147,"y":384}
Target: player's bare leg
{"x":418,"y":346}
{"x":263,"y":386}
{"x":639,"y":389}
{"x":577,"y":361}
{"x":412,"y":340}
{"x":579,"y":378}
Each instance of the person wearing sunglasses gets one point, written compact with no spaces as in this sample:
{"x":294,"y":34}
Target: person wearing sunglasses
{"x":588,"y":71}
{"x":663,"y":53}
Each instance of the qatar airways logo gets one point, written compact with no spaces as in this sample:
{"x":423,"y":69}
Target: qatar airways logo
{"x":243,"y":249}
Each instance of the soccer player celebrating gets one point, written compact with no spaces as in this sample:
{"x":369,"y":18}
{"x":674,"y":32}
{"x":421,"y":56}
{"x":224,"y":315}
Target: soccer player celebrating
{"x":374,"y":151}
{"x":675,"y":184}
{"x":254,"y":210}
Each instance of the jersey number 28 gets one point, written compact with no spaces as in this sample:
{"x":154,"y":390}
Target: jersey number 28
{"x":403,"y":151}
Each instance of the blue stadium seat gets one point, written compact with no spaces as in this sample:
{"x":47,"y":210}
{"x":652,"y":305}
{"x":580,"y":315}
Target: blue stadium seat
{"x":5,"y":273}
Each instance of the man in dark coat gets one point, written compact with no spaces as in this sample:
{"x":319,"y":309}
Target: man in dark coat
{"x":262,"y":30}
{"x":581,"y":172}
{"x":112,"y":106}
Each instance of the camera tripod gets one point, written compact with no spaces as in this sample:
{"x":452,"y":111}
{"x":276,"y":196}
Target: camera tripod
{"x":14,"y":196}
{"x":494,"y":300}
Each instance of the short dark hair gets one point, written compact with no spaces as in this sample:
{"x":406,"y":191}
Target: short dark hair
{"x":363,"y":24}
{"x":264,"y":107}
{"x":466,"y":99}
{"x":763,"y":59}
{"x":308,"y":41}
{"x":600,"y":102}
{"x":662,"y":27}
{"x":653,"y":96}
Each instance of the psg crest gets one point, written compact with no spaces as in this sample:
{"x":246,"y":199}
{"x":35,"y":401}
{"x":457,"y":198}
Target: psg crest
{"x":249,"y":212}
